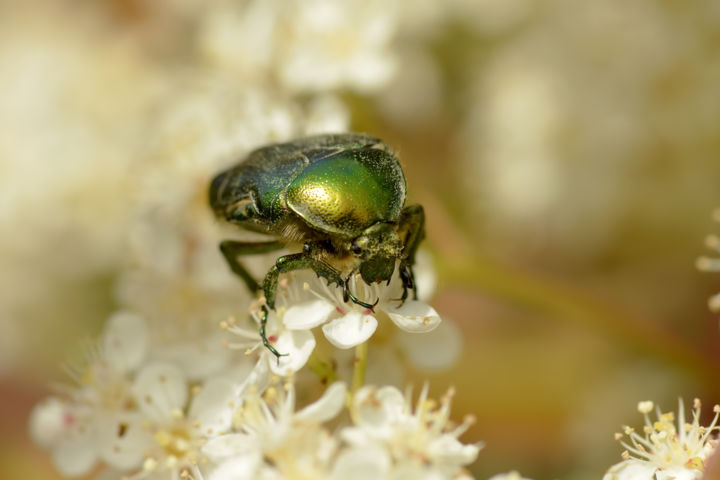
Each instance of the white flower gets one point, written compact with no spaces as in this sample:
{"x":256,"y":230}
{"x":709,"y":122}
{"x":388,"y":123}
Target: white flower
{"x":59,"y":426}
{"x":304,"y":301}
{"x":420,"y":440}
{"x":434,"y":350}
{"x":269,"y":429}
{"x":294,"y":346}
{"x":175,"y":427}
{"x":508,"y":476}
{"x":665,"y":452}
{"x":331,"y":44}
{"x":346,"y":324}
{"x":83,"y":427}
{"x":302,"y":45}
{"x":710,"y":264}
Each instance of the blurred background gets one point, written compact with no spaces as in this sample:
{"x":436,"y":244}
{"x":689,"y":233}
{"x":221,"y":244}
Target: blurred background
{"x":566,"y":153}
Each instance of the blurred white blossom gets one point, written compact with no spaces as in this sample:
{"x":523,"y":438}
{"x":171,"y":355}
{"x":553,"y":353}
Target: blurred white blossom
{"x":508,"y":476}
{"x":564,"y":110}
{"x":77,"y":98}
{"x":81,"y":426}
{"x":302,"y":46}
{"x":712,"y":264}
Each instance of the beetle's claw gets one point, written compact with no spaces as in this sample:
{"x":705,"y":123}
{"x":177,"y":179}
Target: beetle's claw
{"x":363,"y":304}
{"x":278,"y":355}
{"x":408,"y":284}
{"x":265,"y":341}
{"x":404,"y":296}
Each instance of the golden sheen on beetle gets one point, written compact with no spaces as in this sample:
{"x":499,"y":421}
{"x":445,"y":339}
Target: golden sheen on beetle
{"x":340,"y":196}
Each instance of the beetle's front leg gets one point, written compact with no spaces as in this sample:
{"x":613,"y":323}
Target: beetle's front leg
{"x":297,"y":261}
{"x":412,"y":230}
{"x":284,"y":264}
{"x":349,"y":296}
{"x":263,"y":336}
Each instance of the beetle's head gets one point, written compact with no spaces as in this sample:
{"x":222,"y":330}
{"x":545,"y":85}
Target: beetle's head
{"x":377,"y":248}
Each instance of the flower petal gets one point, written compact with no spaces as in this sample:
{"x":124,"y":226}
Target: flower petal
{"x":243,"y":467}
{"x":414,"y":470}
{"x":327,"y":406}
{"x":49,"y":421}
{"x":308,"y":314}
{"x":448,"y":449}
{"x":160,"y":390}
{"x":435,"y":350}
{"x":678,"y":473}
{"x":425,"y":277}
{"x":213,"y":406}
{"x":361,"y":463}
{"x":259,"y":377}
{"x":513,"y":475}
{"x":415,"y":316}
{"x":198,"y":358}
{"x":350,"y":330}
{"x":76,"y":455}
{"x":125,"y":341}
{"x":122,"y":441}
{"x":231,"y":445}
{"x":376,"y":410}
{"x":297,"y":345}
{"x":631,"y":470}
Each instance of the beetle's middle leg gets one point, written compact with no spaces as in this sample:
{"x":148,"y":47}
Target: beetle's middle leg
{"x":231,"y":249}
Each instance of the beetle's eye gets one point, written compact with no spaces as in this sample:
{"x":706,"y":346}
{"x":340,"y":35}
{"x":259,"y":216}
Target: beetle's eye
{"x":356,"y":250}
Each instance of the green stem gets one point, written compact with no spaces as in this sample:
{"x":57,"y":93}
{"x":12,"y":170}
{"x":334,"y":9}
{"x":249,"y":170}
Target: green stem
{"x":361,"y":353}
{"x":567,"y":303}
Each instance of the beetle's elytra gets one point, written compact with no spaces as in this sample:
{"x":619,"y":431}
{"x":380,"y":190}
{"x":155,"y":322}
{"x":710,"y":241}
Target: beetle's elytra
{"x":341,"y":196}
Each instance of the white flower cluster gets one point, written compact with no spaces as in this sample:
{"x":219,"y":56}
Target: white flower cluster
{"x":712,"y":264}
{"x":305,"y":302}
{"x":145,"y":416}
{"x":664,"y":451}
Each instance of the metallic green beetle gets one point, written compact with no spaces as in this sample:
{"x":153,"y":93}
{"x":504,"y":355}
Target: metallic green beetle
{"x":340,"y":196}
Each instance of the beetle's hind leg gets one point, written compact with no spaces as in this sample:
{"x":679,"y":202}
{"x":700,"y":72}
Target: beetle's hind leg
{"x":231,"y":249}
{"x":412,"y":229}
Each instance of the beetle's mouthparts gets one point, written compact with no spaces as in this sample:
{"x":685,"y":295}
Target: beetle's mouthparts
{"x":377,"y":269}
